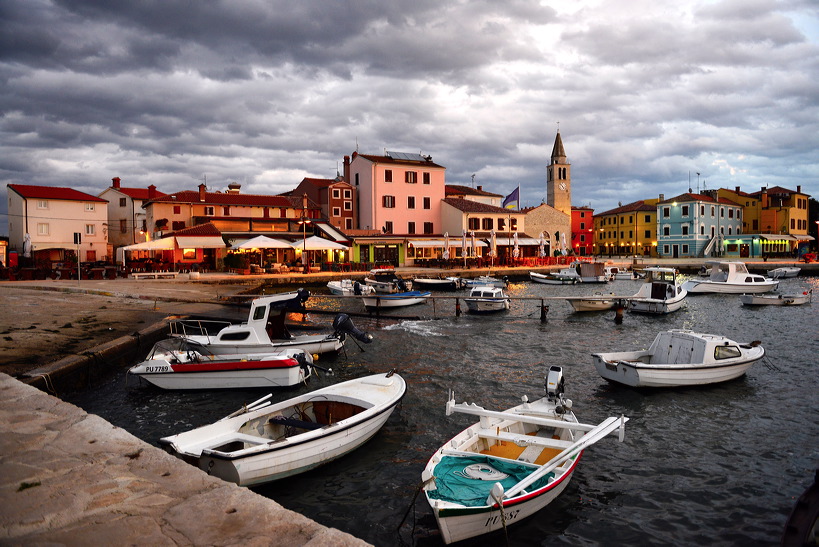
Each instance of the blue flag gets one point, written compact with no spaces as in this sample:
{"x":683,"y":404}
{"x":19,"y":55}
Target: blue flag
{"x":512,"y":201}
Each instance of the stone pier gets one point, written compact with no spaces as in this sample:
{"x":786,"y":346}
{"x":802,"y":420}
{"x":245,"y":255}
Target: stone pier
{"x":71,"y":478}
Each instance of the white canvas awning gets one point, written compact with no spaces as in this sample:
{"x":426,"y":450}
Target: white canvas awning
{"x":200,"y":242}
{"x":428,"y":243}
{"x":315,"y":243}
{"x":263,"y":242}
{"x":153,"y":245}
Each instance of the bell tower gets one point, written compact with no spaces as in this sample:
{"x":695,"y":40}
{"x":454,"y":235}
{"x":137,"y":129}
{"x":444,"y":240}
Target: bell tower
{"x":559,"y":179}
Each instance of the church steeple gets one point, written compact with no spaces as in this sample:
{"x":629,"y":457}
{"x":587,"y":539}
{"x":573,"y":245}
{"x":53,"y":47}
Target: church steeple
{"x":559,"y":179}
{"x":558,"y":154}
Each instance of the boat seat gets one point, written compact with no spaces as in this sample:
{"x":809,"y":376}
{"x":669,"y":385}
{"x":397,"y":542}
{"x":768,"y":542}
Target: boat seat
{"x":292,"y":422}
{"x":490,"y":433}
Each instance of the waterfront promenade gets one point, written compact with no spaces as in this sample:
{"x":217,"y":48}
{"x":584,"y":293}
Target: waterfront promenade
{"x":74,"y":479}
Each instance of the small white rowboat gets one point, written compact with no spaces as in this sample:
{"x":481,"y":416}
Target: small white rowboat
{"x":776,"y":300}
{"x":264,"y":443}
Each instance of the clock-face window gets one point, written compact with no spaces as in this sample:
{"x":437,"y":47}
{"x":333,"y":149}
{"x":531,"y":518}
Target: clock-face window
{"x":562,"y":186}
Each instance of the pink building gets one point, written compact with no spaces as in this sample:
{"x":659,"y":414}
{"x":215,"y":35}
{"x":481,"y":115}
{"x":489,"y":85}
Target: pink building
{"x":398,"y":193}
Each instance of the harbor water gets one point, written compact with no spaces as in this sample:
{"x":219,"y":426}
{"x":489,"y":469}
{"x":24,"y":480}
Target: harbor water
{"x":716,"y":465}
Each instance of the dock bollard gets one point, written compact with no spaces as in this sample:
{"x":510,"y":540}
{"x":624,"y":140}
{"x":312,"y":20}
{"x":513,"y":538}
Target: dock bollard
{"x":544,"y":309}
{"x":457,"y":307}
{"x":618,"y":314}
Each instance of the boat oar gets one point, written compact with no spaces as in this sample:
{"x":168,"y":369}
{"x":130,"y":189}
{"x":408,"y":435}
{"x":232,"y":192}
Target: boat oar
{"x":608,"y":425}
{"x":255,"y":405}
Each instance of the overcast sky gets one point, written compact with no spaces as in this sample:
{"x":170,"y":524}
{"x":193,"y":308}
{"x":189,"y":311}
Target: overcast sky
{"x":647,"y":93}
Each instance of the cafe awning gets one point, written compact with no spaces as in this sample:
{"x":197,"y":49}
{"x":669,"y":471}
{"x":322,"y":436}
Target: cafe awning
{"x":433,"y":243}
{"x":165,"y":244}
{"x":200,"y":242}
{"x":777,"y":237}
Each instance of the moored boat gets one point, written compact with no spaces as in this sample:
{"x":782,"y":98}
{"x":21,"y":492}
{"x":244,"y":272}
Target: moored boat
{"x":510,"y":464}
{"x":487,"y":281}
{"x":349,"y":287}
{"x":438,"y":283}
{"x":178,"y":363}
{"x":555,"y":278}
{"x":265,"y":329}
{"x":660,"y":294}
{"x":396,"y":300}
{"x":776,"y":299}
{"x":591,"y":272}
{"x":386,"y":281}
{"x":263,"y":442}
{"x":487,"y":299}
{"x":783,"y":272}
{"x":730,"y":278}
{"x":679,"y":358}
{"x":597,"y":302}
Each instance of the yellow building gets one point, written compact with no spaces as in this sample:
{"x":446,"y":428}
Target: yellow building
{"x":627,"y":230}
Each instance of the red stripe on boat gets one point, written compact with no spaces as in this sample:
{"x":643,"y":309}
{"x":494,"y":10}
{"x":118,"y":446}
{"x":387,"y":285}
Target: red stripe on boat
{"x":210,"y":366}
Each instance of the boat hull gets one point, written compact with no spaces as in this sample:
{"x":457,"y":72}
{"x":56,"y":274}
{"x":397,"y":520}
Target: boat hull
{"x":553,"y":279}
{"x":581,"y":304}
{"x":656,"y":307}
{"x":696,"y":286}
{"x":781,"y":300}
{"x":437,"y":284}
{"x":308,"y":343}
{"x":398,"y":300}
{"x":221,"y":375}
{"x":484,"y":305}
{"x":269,"y":443}
{"x":638,"y":376}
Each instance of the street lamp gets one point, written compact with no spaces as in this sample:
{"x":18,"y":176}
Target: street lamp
{"x":304,"y":222}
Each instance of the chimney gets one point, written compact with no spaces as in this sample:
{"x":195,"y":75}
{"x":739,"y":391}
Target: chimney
{"x":151,"y":192}
{"x":480,"y":188}
{"x":347,"y":169}
{"x":737,"y":190}
{"x":763,"y":198}
{"x":662,"y":197}
{"x":798,"y":188}
{"x":202,"y":189}
{"x":233,"y":188}
{"x":115,"y":180}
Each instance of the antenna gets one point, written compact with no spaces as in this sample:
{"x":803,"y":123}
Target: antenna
{"x":698,"y":182}
{"x":473,"y":180}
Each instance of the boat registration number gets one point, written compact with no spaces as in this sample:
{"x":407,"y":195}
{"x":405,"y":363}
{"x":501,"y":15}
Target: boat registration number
{"x":163,"y":368}
{"x":495,"y":519}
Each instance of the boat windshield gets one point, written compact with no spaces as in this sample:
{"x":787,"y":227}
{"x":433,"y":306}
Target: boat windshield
{"x":178,"y":345}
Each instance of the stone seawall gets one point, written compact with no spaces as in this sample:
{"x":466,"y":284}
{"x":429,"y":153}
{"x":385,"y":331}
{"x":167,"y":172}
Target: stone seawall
{"x":72,"y":478}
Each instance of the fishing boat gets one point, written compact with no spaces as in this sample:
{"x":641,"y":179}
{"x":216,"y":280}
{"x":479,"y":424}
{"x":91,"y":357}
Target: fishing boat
{"x":660,"y":294}
{"x":731,"y":278}
{"x":596,"y":302}
{"x":783,"y":272}
{"x":386,"y":281}
{"x":178,"y":363}
{"x":438,"y":283}
{"x":679,"y":358}
{"x":265,"y":330}
{"x":591,"y":272}
{"x":487,"y":299}
{"x":487,"y":281}
{"x":776,"y":299}
{"x":397,"y":300}
{"x":349,"y":287}
{"x":262,"y":442}
{"x":555,"y":278}
{"x":510,"y":464}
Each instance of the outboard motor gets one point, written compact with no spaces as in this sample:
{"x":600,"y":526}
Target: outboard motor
{"x":400,"y":284}
{"x":554,"y":383}
{"x":344,"y":325}
{"x":357,"y":288}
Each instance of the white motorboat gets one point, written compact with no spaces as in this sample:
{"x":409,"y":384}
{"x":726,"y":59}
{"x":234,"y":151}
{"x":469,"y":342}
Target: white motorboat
{"x":660,"y":294}
{"x":396,"y":300}
{"x":591,"y":272}
{"x":386,"y":281}
{"x":487,"y":299}
{"x":487,"y":281}
{"x":510,"y":464}
{"x":679,"y":358}
{"x":265,"y":329}
{"x":349,"y":287}
{"x":616,"y":273}
{"x":783,"y":272}
{"x":596,"y":302}
{"x":438,"y":283}
{"x":555,"y":278}
{"x":731,"y":278}
{"x":263,"y":442}
{"x":177,"y":363}
{"x":776,"y":299}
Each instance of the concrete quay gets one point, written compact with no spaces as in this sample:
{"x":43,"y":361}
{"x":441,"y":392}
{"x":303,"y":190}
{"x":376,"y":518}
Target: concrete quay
{"x":71,"y":478}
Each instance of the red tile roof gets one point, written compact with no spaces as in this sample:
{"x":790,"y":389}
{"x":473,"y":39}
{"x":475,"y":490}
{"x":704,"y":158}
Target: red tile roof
{"x":776,"y":190}
{"x":636,"y":206}
{"x":138,"y":193}
{"x":218,"y":198}
{"x":206,"y":229}
{"x":458,"y":190}
{"x":469,"y":206}
{"x":409,"y":163}
{"x":53,"y":192}
{"x":688,"y":196}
